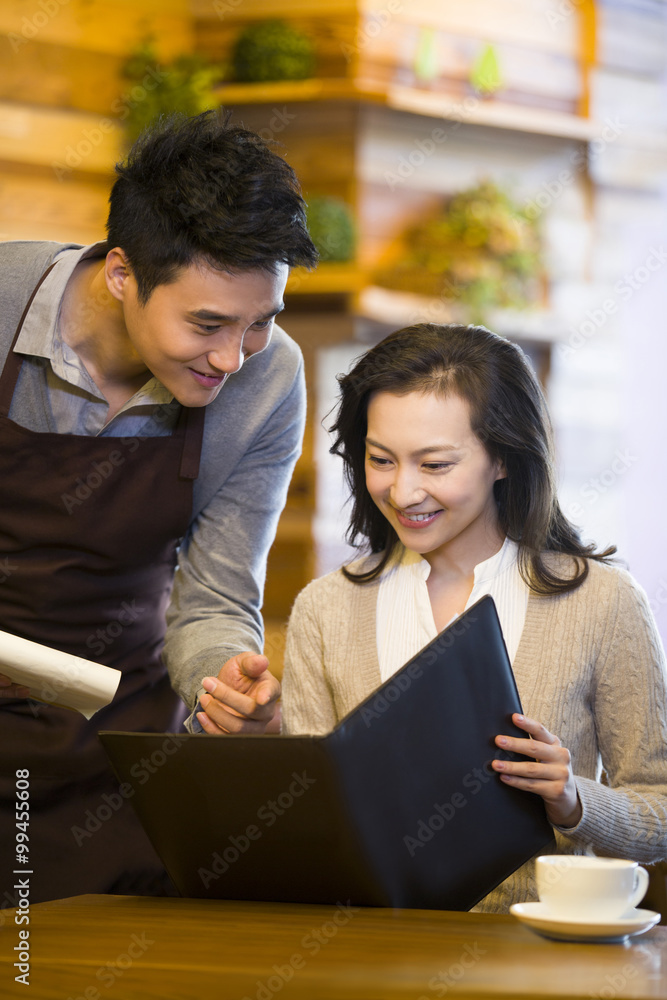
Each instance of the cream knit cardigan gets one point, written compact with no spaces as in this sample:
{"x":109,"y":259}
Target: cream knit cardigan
{"x":590,"y":666}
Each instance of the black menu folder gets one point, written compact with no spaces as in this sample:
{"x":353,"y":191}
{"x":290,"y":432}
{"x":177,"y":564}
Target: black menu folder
{"x":398,"y":806}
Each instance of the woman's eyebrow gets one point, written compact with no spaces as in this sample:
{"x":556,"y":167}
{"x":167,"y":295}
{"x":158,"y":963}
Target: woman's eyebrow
{"x":420,"y":451}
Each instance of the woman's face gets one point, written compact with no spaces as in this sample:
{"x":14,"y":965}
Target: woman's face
{"x":431,"y":476}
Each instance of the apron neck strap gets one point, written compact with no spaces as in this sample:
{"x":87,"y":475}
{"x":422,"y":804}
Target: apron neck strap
{"x":191,"y":424}
{"x":10,"y":372}
{"x":190,"y":421}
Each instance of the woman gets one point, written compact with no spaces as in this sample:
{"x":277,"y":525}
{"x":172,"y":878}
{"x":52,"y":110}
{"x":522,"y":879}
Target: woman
{"x":446,"y":444}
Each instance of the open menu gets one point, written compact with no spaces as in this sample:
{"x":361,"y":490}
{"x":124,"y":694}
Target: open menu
{"x":398,"y":806}
{"x":57,"y":678}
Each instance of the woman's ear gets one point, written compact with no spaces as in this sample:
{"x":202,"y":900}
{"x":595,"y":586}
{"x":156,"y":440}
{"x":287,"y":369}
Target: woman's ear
{"x":501,"y":471}
{"x":116,"y":272}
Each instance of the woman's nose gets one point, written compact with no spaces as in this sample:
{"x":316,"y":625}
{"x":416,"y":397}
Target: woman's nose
{"x":406,"y":489}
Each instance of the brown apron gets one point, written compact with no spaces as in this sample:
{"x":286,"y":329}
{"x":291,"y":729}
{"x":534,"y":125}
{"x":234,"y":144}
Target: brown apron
{"x":89,"y":528}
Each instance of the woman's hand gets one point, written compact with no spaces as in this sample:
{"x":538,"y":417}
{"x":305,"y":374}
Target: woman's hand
{"x":549,"y":775}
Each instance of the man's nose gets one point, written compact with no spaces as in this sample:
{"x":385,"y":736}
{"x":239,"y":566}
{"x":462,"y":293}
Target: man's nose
{"x":227,"y":355}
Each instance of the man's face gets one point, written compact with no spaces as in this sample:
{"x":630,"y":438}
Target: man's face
{"x":195,"y":331}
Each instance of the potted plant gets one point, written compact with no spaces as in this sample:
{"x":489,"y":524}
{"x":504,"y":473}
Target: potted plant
{"x":481,"y":250}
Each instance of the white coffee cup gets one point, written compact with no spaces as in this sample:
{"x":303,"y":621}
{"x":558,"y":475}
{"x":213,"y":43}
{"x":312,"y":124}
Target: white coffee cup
{"x":579,"y":887}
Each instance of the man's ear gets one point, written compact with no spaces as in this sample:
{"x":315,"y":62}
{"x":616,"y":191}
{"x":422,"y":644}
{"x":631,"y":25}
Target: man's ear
{"x":117,"y":272}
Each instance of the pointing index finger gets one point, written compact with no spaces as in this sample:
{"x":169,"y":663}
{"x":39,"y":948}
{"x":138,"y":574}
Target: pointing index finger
{"x":238,"y":702}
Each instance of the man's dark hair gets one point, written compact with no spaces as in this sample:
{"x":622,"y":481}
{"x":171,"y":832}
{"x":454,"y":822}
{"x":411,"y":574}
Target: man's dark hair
{"x":202,"y":189}
{"x":508,"y":414}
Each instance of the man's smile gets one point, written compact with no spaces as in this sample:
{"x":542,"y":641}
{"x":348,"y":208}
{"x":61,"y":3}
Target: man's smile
{"x":208,"y":379}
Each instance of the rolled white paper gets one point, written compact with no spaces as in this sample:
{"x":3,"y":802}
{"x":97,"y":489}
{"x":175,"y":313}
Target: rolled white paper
{"x":58,"y":678}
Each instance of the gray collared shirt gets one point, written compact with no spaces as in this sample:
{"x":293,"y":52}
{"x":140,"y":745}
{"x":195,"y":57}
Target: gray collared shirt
{"x":55,"y":379}
{"x":252,"y":438}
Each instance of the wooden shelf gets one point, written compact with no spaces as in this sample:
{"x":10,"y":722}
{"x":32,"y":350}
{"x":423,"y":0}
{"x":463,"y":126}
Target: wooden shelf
{"x":474,"y":110}
{"x":327,"y":279}
{"x":89,"y":143}
{"x":431,"y":103}
{"x":396,"y":309}
{"x":313,"y":89}
{"x":471,"y":110}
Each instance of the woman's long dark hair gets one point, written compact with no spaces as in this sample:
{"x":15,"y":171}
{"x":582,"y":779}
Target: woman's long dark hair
{"x":509,"y":416}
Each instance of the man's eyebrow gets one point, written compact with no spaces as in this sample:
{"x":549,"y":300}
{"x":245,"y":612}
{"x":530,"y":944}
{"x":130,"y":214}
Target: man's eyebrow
{"x":209,"y":314}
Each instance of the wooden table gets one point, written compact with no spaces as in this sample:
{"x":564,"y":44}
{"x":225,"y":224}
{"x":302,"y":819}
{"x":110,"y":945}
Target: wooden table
{"x":138,"y":948}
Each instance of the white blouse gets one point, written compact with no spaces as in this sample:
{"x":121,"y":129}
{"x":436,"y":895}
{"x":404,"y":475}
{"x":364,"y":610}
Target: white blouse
{"x":404,"y":616}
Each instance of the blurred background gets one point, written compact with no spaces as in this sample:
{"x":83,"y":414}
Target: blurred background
{"x":502,"y":161}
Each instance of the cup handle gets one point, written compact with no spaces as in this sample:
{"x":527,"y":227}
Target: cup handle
{"x":641,"y":885}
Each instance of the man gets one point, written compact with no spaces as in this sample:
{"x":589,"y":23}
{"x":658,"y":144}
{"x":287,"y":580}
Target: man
{"x":146,"y":401}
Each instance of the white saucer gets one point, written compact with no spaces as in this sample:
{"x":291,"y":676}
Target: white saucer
{"x":537,"y":916}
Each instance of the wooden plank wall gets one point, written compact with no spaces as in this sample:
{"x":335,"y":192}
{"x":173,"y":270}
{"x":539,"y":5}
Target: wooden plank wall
{"x":62,"y":105}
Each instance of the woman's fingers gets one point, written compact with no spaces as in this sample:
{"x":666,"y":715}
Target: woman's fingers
{"x":541,"y":751}
{"x":548,"y":774}
{"x":533,"y":771}
{"x":534,"y":729}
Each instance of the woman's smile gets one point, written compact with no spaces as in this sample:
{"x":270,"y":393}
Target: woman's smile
{"x":431,"y":476}
{"x":423,"y":520}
